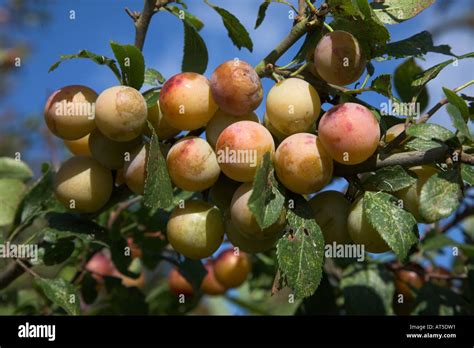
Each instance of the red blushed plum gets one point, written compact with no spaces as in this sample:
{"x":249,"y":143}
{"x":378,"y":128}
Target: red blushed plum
{"x":121,"y":113}
{"x":83,"y":184}
{"x":338,"y":58}
{"x":240,"y":149}
{"x":178,"y":284}
{"x":236,"y":87}
{"x":349,"y":132}
{"x":186,"y":101}
{"x":210,"y":285}
{"x":232,"y":268}
{"x":69,"y":112}
{"x":221,"y":120}
{"x":192,"y":164}
{"x":302,"y":163}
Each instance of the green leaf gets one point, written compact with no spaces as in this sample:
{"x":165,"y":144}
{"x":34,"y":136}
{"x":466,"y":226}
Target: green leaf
{"x":151,"y":97}
{"x":61,"y":293}
{"x":344,"y":8}
{"x":237,"y":32}
{"x":415,"y":46}
{"x":89,"y":288}
{"x":359,"y":19}
{"x":56,"y":253}
{"x":101,"y":60}
{"x":195,"y":51}
{"x":390,"y":179}
{"x":38,"y":199}
{"x":11,"y":191}
{"x":123,"y":300}
{"x":397,"y":11}
{"x":262,"y":10}
{"x":426,"y":76}
{"x":435,"y":300}
{"x":131,"y":62}
{"x":193,"y":271}
{"x":309,"y":44}
{"x":440,"y":241}
{"x":403,"y":76}
{"x":429,"y":131}
{"x":467,"y":174}
{"x":396,"y":226}
{"x":440,"y":196}
{"x":300,"y":251}
{"x":418,"y":144}
{"x":367,"y":290}
{"x":68,"y":224}
{"x":267,"y":199}
{"x":458,"y":121}
{"x":120,"y":259}
{"x":185,"y":16}
{"x":13,"y":169}
{"x":153,"y":77}
{"x":458,"y":102}
{"x":382,"y":84}
{"x":158,"y":188}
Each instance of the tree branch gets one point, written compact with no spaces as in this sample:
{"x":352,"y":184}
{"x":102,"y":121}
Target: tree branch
{"x":142,"y":21}
{"x":405,"y":159}
{"x":295,"y":34}
{"x":11,"y":272}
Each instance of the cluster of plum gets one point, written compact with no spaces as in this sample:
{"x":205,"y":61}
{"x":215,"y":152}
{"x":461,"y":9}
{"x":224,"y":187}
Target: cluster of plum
{"x":111,"y":134}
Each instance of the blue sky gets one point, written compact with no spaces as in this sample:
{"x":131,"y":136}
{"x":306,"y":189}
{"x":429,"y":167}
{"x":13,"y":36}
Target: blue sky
{"x":98,"y":22}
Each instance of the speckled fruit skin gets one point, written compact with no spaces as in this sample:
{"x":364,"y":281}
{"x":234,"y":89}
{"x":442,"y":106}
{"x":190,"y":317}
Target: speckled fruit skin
{"x":245,"y":137}
{"x":178,"y":285}
{"x":302,"y":164}
{"x":85,"y":181}
{"x":411,"y":195}
{"x":111,"y":154}
{"x":70,"y":124}
{"x":121,"y":113}
{"x":186,"y":101}
{"x":221,"y":120}
{"x":393,"y":132}
{"x":79,"y":147}
{"x":293,"y":106}
{"x":243,"y":219}
{"x":192,"y":164}
{"x":197,"y":230}
{"x":349,"y":132}
{"x":236,"y":87}
{"x":331,"y":210}
{"x":248,"y":244}
{"x":232,"y":268}
{"x":338,"y":58}
{"x":362,"y":232}
{"x":162,"y":128}
{"x":210,"y":285}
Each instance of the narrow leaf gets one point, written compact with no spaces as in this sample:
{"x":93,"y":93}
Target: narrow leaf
{"x":195,"y":51}
{"x":397,"y":11}
{"x":61,"y":293}
{"x":131,"y":62}
{"x":13,"y":169}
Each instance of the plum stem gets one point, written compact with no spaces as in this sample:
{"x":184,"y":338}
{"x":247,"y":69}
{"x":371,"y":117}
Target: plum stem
{"x":328,"y":27}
